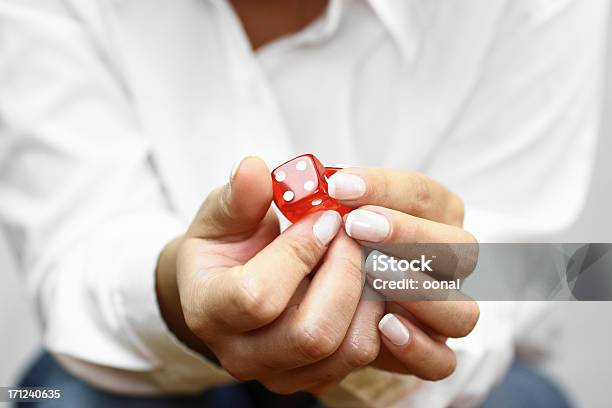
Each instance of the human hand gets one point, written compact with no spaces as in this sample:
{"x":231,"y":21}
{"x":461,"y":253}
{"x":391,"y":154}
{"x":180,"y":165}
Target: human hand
{"x":403,"y":207}
{"x":246,"y":296}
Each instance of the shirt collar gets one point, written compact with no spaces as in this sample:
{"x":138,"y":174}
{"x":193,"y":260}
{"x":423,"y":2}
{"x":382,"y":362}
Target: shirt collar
{"x":406,"y":21}
{"x":325,"y":26}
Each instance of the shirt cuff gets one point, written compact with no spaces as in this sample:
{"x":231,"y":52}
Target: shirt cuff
{"x":177,"y":368}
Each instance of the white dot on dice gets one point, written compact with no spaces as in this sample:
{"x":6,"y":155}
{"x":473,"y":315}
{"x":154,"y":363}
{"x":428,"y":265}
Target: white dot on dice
{"x":280,"y":176}
{"x":288,"y":195}
{"x":309,"y":185}
{"x":301,"y":165}
{"x":316,"y":201}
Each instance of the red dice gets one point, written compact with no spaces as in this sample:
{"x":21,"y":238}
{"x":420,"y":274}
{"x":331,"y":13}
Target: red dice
{"x":300,"y":188}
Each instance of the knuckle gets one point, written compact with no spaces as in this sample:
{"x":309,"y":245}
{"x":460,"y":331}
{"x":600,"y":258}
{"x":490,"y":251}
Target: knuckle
{"x":467,"y":316}
{"x":361,"y":354}
{"x":304,"y":250}
{"x":315,"y":342}
{"x":351,"y":269}
{"x":378,"y":188}
{"x":256,"y":304}
{"x":422,"y":193}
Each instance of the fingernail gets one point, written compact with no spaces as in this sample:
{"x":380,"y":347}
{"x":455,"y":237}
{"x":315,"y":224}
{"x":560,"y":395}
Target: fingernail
{"x":235,"y":168}
{"x":367,"y":226}
{"x":388,"y":274}
{"x":344,"y":186}
{"x":394,"y":330}
{"x":326,"y":227}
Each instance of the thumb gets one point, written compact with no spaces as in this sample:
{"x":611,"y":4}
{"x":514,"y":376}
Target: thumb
{"x":238,"y":206}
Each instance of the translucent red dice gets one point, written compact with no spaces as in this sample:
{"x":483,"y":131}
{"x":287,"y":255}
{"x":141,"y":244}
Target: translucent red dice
{"x":300,"y":188}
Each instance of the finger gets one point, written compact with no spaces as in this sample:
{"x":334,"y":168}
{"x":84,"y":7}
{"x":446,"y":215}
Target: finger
{"x":359,"y":348}
{"x":406,"y":191}
{"x":394,"y":308}
{"x":396,"y":233}
{"x":450,"y":318}
{"x":386,"y":360}
{"x":420,"y":355}
{"x":218,"y":254}
{"x":446,"y":310}
{"x":246,"y":297}
{"x":314,"y":329}
{"x":238,"y":206}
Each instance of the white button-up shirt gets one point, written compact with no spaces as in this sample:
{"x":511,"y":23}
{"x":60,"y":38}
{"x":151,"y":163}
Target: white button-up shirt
{"x":118,"y":117}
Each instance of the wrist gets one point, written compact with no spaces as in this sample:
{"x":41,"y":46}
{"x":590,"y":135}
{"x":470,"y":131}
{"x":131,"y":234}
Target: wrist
{"x":168,"y":299}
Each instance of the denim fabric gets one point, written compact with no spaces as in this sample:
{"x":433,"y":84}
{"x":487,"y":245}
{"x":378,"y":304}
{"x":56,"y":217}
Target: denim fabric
{"x":523,"y":387}
{"x":46,"y":372}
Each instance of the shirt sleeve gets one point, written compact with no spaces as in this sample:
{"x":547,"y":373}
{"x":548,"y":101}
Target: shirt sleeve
{"x":82,"y":207}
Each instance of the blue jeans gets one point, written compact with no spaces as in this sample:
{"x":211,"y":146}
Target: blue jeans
{"x":523,"y":387}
